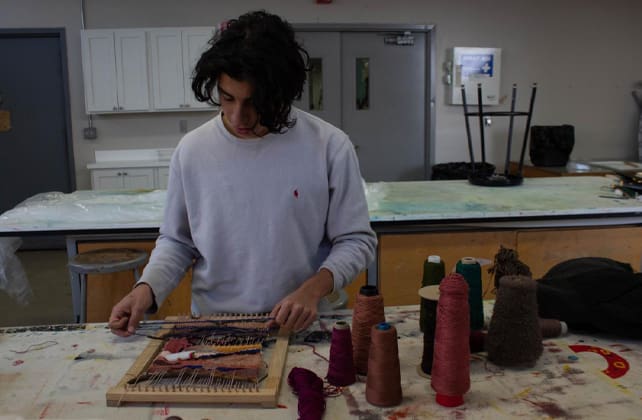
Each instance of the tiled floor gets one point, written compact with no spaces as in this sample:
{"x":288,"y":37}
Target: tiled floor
{"x":50,"y":303}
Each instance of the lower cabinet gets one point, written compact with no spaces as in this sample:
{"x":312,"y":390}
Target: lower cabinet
{"x":122,"y":178}
{"x":105,"y":290}
{"x":130,"y":178}
{"x":401,"y":256}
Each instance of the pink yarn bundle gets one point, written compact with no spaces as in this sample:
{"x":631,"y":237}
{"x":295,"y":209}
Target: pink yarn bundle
{"x":309,"y":388}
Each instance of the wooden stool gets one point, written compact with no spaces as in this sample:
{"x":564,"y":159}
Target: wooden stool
{"x":101,"y":261}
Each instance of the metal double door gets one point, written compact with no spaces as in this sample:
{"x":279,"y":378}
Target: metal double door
{"x":373,"y":85}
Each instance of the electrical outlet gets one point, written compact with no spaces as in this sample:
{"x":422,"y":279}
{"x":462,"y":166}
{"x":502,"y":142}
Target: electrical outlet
{"x":90,"y":133}
{"x":182,"y":126}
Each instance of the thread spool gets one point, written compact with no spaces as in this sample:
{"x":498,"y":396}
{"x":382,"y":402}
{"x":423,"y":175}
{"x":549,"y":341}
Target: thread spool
{"x":383,"y":385}
{"x":451,"y":367}
{"x":514,"y":337}
{"x":429,"y":297}
{"x":471,"y":270}
{"x":367,"y":311}
{"x":434,"y":271}
{"x":552,"y":328}
{"x":341,"y":370}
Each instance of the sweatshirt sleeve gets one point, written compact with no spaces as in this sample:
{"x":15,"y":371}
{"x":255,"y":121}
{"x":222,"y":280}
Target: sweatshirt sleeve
{"x":348,"y":223}
{"x":174,"y":251}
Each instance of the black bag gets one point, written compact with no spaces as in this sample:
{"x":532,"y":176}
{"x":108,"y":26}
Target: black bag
{"x":595,"y":294}
{"x":551,"y":145}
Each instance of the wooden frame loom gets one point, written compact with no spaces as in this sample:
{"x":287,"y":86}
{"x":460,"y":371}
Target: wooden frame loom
{"x":188,"y":388}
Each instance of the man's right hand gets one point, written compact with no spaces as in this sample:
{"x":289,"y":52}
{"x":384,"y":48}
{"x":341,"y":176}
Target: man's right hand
{"x":127,"y":313}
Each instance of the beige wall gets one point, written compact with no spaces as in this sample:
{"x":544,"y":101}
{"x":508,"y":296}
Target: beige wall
{"x":585,"y":57}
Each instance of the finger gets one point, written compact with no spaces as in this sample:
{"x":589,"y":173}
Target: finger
{"x":275,"y":313}
{"x":283,"y":314}
{"x":134,"y":319}
{"x":293,"y":318}
{"x":312,"y":316}
{"x":118,"y":323}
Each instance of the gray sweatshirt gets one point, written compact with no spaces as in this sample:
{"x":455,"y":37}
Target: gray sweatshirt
{"x":258,"y":217}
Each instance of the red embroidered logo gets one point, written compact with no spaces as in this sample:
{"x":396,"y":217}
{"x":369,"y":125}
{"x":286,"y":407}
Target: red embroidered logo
{"x":296,"y":193}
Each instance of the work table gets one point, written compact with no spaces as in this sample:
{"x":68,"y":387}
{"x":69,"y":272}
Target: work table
{"x":65,"y":372}
{"x":547,"y":220}
{"x":415,"y":201}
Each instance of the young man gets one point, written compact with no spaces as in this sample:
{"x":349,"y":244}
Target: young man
{"x":264,"y":201}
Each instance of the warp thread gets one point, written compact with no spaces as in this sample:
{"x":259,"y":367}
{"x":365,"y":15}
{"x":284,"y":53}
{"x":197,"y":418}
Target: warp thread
{"x":471,"y":270}
{"x":309,"y":389}
{"x":367,"y":311}
{"x":434,"y":271}
{"x":451,"y":367}
{"x":383,"y":385}
{"x":341,"y":370}
{"x":514,"y":337}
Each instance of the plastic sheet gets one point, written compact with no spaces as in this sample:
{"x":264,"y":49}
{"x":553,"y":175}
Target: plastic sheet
{"x":86,"y":209}
{"x":13,"y":278}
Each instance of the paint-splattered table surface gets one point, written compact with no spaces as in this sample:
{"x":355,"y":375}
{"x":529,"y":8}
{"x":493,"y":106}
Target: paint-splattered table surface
{"x":413,"y":201}
{"x":459,"y":200}
{"x":65,"y":371}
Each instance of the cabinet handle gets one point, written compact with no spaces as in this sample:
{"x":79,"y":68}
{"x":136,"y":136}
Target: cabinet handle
{"x":115,"y":108}
{"x":186,"y":105}
{"x":121,"y":108}
{"x":118,"y":174}
{"x":124,"y":173}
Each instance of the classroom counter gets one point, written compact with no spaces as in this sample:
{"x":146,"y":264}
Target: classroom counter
{"x":547,"y":220}
{"x":65,"y":371}
{"x":389,"y":203}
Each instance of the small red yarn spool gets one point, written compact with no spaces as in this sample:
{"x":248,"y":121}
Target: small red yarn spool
{"x":451,"y":366}
{"x":383,"y":385}
{"x":341,"y":370}
{"x":367,"y":311}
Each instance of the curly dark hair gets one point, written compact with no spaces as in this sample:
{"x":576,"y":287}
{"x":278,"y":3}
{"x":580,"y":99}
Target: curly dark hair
{"x":259,"y":48}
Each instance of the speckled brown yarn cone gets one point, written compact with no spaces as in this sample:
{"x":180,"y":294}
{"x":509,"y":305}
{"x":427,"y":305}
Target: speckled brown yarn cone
{"x":514,"y":337}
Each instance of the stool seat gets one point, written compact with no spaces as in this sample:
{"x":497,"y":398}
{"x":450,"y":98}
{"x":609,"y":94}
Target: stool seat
{"x":101,"y":261}
{"x":109,"y":260}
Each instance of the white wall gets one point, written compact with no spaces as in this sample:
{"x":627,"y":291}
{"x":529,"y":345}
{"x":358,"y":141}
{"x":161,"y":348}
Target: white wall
{"x":585,"y":57}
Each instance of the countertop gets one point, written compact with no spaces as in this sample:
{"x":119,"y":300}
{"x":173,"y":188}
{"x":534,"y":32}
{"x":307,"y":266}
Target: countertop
{"x":388,"y":202}
{"x":131,"y":158}
{"x":50,"y":380}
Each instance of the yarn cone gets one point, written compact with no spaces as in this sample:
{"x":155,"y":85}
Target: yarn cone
{"x":341,"y":370}
{"x":434,"y":271}
{"x":367,"y":311}
{"x":383,"y":385}
{"x":451,"y":360}
{"x":514,"y":337}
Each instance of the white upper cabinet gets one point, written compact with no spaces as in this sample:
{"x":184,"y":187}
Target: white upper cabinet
{"x":115,"y":70}
{"x":173,"y":54}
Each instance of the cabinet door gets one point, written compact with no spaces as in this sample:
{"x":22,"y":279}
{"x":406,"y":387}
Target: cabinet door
{"x":162,"y":178}
{"x":138,"y":178}
{"x":106,"y":179}
{"x":99,"y":70}
{"x":105,"y":290}
{"x":402,"y":256}
{"x":542,"y":249}
{"x":195,"y":42}
{"x":123,"y":178}
{"x":131,"y":70}
{"x":167,"y":68}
